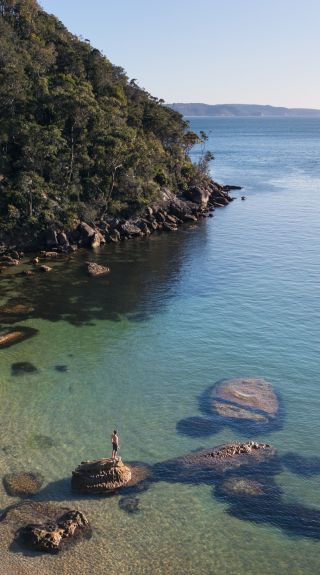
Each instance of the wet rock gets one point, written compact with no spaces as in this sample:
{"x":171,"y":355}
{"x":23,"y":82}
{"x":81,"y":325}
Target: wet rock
{"x":130,"y":504}
{"x":63,"y":239}
{"x":129,"y":229}
{"x":50,"y":255}
{"x":44,"y":269}
{"x":208,"y":464}
{"x":23,"y":367}
{"x":94,"y":269}
{"x":198,"y":195}
{"x":47,"y":527}
{"x":22,"y":484}
{"x":16,"y":309}
{"x":17,"y":335}
{"x":244,"y":398}
{"x":101,"y":475}
{"x":9,"y":261}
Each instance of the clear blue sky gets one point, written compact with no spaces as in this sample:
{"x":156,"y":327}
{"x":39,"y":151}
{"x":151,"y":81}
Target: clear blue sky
{"x":212,"y":51}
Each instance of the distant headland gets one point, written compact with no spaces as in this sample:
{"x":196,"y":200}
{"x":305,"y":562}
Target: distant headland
{"x":241,"y":110}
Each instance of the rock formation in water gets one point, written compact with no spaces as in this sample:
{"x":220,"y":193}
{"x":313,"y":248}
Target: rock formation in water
{"x":244,"y":398}
{"x":209,"y":464}
{"x":17,"y":335}
{"x":95,"y":269}
{"x":22,"y":484}
{"x":100,"y":475}
{"x":50,"y":535}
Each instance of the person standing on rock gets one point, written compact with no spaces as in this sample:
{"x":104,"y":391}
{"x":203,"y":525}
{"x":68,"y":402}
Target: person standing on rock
{"x":115,"y":443}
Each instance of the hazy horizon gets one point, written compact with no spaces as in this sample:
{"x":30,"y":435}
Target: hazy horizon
{"x":239,"y":51}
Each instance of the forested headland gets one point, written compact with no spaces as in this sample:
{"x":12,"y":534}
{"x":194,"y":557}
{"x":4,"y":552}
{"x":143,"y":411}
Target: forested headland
{"x":78,"y":140}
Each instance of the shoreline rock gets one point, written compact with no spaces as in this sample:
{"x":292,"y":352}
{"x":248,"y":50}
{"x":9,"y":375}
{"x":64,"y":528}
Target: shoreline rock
{"x":167,"y":214}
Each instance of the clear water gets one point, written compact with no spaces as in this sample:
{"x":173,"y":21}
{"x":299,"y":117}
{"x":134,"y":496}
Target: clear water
{"x":235,"y":295}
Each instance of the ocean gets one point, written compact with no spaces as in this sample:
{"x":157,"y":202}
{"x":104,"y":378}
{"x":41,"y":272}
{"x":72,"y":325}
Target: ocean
{"x":236,"y":295}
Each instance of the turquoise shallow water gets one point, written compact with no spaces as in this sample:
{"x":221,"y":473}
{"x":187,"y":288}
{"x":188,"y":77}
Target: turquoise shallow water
{"x":235,"y":295}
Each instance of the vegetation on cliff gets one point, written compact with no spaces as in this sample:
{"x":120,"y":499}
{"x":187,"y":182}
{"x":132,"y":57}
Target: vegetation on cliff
{"x":78,"y":140}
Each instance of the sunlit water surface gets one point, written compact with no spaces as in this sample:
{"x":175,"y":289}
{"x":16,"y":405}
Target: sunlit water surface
{"x":235,"y":295}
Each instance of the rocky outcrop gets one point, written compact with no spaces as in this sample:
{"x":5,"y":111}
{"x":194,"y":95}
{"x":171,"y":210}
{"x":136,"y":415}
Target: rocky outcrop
{"x":23,"y":484}
{"x":100,"y":476}
{"x":244,"y":398}
{"x":54,"y":530}
{"x":95,"y":269}
{"x":208,"y":464}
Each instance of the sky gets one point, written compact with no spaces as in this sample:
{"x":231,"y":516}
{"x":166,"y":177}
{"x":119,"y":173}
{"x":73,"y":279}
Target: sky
{"x":211,"y":51}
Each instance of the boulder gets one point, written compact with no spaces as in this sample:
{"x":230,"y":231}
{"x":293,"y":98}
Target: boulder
{"x":244,"y":398}
{"x":9,"y":261}
{"x":54,"y":527}
{"x":22,"y":484}
{"x":44,"y":268}
{"x":129,"y":229}
{"x":48,"y":255}
{"x":101,"y":475}
{"x":63,"y":240}
{"x":94,"y":269}
{"x":198,"y":195}
{"x":17,"y":335}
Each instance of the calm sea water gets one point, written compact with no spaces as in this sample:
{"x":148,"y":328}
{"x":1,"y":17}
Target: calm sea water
{"x":235,"y":295}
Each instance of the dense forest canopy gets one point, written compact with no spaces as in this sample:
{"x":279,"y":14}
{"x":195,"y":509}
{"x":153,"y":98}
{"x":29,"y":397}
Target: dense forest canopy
{"x":77,"y":138}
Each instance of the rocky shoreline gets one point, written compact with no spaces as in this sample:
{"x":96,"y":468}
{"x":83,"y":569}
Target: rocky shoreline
{"x":166,"y":215}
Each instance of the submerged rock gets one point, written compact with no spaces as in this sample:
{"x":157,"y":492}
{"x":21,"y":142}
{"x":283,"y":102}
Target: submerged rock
{"x":101,"y":475}
{"x":94,"y":269}
{"x":208,"y":464}
{"x":45,"y":527}
{"x":242,"y":487}
{"x":22,"y":367}
{"x":22,"y":484}
{"x":244,"y":398}
{"x":130,"y":504}
{"x":16,"y":309}
{"x":17,"y":335}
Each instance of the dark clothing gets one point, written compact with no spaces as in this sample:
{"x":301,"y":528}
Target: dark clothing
{"x":115,"y":446}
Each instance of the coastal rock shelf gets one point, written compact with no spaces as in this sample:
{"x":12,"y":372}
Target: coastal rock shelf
{"x":207,"y":464}
{"x":101,"y":475}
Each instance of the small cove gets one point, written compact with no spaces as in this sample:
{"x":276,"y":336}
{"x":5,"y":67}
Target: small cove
{"x":235,"y":295}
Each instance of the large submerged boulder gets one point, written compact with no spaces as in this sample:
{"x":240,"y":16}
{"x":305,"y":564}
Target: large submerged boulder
{"x":244,"y":398}
{"x":101,"y":475}
{"x":45,"y":526}
{"x":208,"y":464}
{"x":50,"y":535}
{"x":23,"y":484}
{"x":17,"y":335}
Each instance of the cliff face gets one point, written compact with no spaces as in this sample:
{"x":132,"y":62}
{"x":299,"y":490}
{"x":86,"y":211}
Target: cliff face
{"x":78,"y":140}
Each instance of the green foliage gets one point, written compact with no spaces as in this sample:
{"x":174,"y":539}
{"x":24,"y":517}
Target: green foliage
{"x":77,"y":139}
